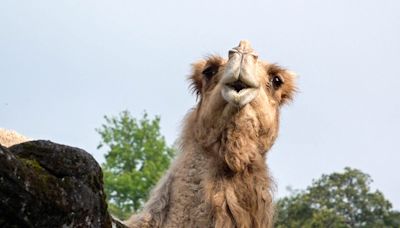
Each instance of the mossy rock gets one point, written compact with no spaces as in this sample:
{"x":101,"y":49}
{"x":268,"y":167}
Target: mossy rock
{"x":44,"y":184}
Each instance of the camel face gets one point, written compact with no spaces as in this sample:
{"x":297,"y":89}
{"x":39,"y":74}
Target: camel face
{"x":241,"y":78}
{"x":239,"y":104}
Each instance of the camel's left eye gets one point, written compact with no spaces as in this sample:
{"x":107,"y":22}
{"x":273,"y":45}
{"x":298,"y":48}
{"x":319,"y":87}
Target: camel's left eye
{"x":210,"y":71}
{"x":276,"y":81}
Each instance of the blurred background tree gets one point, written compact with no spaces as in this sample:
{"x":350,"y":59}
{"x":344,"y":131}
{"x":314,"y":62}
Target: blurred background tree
{"x":337,"y":200}
{"x":137,"y":156}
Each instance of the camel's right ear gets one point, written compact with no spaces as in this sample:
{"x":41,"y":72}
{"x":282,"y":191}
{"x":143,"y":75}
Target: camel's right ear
{"x":196,"y":77}
{"x":203,"y":73}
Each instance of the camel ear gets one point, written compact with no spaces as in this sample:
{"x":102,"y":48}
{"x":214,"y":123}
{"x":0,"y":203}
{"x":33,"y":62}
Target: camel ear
{"x":196,"y":77}
{"x":282,"y":82}
{"x":288,"y":88}
{"x":203,"y":73}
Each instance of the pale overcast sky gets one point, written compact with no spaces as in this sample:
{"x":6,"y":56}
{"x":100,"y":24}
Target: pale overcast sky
{"x":66,"y":64}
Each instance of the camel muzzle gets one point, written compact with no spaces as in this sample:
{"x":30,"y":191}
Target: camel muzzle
{"x":240,"y":84}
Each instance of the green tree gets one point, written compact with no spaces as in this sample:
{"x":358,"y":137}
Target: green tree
{"x":337,"y":200}
{"x":137,"y":157}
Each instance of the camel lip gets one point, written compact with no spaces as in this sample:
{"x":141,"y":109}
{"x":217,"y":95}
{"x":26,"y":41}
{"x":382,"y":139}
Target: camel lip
{"x":241,"y":84}
{"x":241,"y":97}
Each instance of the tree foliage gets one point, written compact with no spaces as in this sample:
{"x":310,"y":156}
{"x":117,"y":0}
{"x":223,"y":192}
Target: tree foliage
{"x":137,"y":157}
{"x":337,"y":200}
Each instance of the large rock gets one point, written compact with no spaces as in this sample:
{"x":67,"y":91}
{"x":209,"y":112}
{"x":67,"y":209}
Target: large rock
{"x":43,"y":184}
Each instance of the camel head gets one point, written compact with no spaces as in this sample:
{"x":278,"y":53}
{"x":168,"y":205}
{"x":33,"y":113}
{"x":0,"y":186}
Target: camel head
{"x":239,"y":102}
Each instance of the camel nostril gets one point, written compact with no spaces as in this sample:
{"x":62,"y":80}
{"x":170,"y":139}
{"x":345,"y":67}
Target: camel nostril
{"x":238,"y":85}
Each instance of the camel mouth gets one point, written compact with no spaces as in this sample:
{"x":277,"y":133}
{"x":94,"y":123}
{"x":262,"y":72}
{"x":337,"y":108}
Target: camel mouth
{"x":238,"y":85}
{"x":239,"y":93}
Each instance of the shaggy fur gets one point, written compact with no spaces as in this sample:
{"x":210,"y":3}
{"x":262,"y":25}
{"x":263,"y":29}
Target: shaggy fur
{"x":9,"y":138}
{"x":220,"y":178}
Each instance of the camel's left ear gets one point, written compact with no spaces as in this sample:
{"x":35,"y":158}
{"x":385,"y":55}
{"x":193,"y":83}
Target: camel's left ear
{"x":289,"y":86}
{"x":283,"y":83}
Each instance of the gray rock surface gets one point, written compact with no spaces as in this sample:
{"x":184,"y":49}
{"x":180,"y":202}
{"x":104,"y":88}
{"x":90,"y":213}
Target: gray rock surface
{"x":44,"y":184}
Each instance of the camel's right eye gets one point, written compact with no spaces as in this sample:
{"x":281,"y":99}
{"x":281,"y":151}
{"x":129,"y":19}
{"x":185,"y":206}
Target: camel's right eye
{"x":209,"y":72}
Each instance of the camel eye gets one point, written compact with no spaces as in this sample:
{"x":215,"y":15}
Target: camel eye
{"x":276,"y":82}
{"x":209,"y":72}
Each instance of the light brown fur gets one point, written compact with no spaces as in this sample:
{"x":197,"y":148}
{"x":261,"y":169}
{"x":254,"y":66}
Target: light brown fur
{"x":220,"y":178}
{"x":9,"y":138}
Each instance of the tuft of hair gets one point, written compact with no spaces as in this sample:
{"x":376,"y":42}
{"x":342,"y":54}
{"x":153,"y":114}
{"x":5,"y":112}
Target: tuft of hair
{"x":9,"y":138}
{"x":201,"y":70}
{"x":288,"y":89}
{"x":195,"y":78}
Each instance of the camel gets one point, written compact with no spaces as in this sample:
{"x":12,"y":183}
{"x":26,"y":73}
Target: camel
{"x":220,"y":177}
{"x":9,"y":138}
